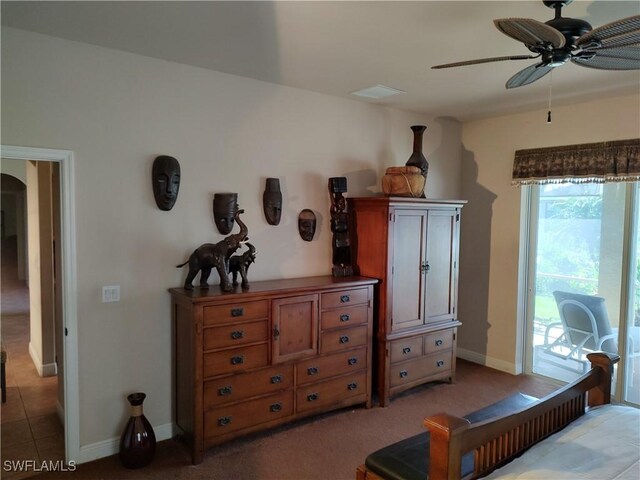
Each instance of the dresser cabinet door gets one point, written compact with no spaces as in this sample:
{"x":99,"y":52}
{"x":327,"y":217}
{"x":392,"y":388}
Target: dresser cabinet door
{"x":295,"y":327}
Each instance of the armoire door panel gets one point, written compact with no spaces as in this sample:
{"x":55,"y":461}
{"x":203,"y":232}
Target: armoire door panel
{"x":407,"y":305}
{"x":440,"y":259}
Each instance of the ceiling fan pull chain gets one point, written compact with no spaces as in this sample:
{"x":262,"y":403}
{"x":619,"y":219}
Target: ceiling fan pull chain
{"x":550,"y":86}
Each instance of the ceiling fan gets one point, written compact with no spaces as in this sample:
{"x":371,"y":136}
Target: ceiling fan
{"x":614,"y":46}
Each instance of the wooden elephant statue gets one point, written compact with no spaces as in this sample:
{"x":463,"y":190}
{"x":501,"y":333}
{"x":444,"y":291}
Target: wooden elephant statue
{"x":239,"y":264}
{"x":215,"y":255}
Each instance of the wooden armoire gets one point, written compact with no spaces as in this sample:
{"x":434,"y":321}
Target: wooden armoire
{"x":411,"y":246}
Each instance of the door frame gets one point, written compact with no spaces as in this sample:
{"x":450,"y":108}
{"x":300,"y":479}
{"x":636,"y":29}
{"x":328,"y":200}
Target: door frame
{"x":69,"y":285}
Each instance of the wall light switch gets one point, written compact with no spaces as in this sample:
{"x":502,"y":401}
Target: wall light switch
{"x":111,"y":293}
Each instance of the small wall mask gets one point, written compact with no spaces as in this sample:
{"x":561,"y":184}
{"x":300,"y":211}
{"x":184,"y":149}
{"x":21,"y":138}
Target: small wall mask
{"x":272,"y":201}
{"x":165,"y":176}
{"x":224,"y":210}
{"x":307,"y":224}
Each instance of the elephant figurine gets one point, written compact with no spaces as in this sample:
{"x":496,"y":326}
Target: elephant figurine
{"x":240,"y":264}
{"x":215,"y":255}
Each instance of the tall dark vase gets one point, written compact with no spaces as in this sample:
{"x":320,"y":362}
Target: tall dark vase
{"x":417,"y":159}
{"x":138,"y":441}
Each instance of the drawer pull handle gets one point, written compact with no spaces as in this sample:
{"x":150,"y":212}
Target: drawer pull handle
{"x":224,"y":391}
{"x":276,"y":333}
{"x":345,"y":299}
{"x":440,"y":363}
{"x":352,"y":361}
{"x":237,"y":334}
{"x":276,"y":379}
{"x":276,"y":407}
{"x":406,"y":350}
{"x":312,"y":371}
{"x":312,"y":397}
{"x":344,"y":317}
{"x":403,"y":373}
{"x":224,"y":421}
{"x":352,"y":386}
{"x":344,"y":339}
{"x":237,"y":360}
{"x":438,"y":342}
{"x":237,"y":312}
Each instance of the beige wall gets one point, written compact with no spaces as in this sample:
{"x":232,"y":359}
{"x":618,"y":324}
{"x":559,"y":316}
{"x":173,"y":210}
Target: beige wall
{"x":117,"y":112}
{"x":491,"y":221}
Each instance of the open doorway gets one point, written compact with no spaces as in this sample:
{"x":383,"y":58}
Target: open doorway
{"x":31,"y":308}
{"x":63,"y":270}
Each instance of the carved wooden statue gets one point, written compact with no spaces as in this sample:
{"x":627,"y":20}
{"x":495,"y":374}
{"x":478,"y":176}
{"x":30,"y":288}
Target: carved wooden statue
{"x":340,"y":227}
{"x":215,"y":255}
{"x":240,"y":264}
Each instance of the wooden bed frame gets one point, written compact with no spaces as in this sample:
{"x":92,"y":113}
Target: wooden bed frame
{"x":497,"y":441}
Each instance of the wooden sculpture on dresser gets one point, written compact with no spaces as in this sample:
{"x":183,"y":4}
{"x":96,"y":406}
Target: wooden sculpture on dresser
{"x":215,"y":255}
{"x":340,"y":228}
{"x":240,"y":264}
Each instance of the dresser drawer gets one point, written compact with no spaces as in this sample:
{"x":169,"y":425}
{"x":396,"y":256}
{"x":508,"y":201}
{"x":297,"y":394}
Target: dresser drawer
{"x":413,"y":370}
{"x":343,"y":338}
{"x":235,"y":359}
{"x":344,"y":298}
{"x":222,"y":420}
{"x":435,"y":342}
{"x":344,"y":317}
{"x":245,"y":385}
{"x":406,"y":349}
{"x":328,"y":393}
{"x":235,"y":312}
{"x":324,"y":367}
{"x":231,"y":335}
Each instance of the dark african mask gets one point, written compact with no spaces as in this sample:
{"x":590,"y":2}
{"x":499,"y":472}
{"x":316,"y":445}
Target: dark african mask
{"x":307,"y":224}
{"x":224,"y":209}
{"x":165,"y":176}
{"x":272,"y":201}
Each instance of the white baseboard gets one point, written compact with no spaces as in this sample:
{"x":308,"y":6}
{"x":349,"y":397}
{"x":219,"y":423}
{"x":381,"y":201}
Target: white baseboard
{"x":44,"y":370}
{"x":487,"y":361}
{"x":109,"y":447}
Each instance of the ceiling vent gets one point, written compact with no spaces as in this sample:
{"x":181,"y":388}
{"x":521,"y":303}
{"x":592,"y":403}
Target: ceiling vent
{"x":377,"y":91}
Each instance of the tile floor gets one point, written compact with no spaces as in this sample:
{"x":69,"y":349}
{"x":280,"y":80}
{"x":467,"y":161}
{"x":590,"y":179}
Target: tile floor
{"x":31,"y":428}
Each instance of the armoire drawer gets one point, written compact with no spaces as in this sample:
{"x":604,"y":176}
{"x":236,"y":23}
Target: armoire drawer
{"x":435,"y":342}
{"x":244,"y":385}
{"x":344,"y":298}
{"x":239,"y":334}
{"x":318,"y":395}
{"x":406,"y":349}
{"x":232,"y":312}
{"x":413,"y":370}
{"x":344,"y":317}
{"x":235,"y":359}
{"x":320,"y":368}
{"x":222,"y":420}
{"x":343,"y":338}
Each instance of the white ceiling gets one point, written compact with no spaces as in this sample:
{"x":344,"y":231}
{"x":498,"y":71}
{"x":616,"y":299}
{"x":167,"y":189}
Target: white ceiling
{"x":339,"y":47}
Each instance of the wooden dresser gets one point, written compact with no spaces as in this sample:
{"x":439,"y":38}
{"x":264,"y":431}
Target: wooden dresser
{"x":282,"y":350}
{"x":411,"y":245}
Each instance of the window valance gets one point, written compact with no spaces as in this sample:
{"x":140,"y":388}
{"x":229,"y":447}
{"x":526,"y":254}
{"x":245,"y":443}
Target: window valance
{"x":616,"y":161}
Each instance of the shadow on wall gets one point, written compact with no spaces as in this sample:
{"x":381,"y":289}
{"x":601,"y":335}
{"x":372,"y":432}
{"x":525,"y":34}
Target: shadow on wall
{"x":446,"y":133}
{"x":475,"y":251}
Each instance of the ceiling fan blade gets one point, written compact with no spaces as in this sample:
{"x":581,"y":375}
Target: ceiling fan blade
{"x":485,"y":60}
{"x":621,"y":33}
{"x":624,"y":58}
{"x":528,"y":75}
{"x":530,"y":32}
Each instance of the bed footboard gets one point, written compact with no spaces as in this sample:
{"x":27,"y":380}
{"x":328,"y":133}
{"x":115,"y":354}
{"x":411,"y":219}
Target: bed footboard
{"x":496,"y":442}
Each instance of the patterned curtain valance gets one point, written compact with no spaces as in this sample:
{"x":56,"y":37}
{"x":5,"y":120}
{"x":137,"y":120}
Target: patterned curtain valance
{"x":617,"y":161}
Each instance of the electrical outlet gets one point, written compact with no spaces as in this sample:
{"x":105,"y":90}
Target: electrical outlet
{"x":111,"y":293}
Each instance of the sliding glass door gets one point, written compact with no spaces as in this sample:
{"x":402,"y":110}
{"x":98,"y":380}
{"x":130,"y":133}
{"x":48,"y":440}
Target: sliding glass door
{"x":578,"y":270}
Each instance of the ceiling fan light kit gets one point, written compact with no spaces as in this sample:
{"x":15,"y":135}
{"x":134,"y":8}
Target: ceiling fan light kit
{"x":613,"y":46}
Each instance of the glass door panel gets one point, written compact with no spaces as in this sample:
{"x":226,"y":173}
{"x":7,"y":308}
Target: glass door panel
{"x":577,"y":275}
